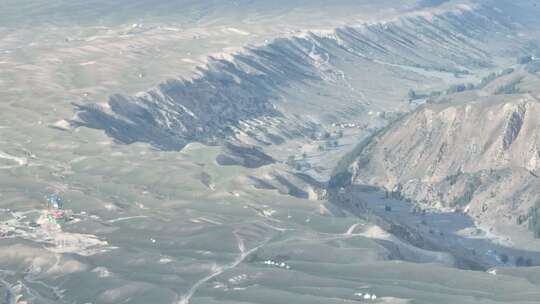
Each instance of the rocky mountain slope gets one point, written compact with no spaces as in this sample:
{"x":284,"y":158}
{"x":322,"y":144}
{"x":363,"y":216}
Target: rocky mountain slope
{"x":476,"y":151}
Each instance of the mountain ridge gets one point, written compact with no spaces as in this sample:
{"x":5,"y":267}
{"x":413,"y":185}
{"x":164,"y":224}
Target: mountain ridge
{"x":251,"y":84}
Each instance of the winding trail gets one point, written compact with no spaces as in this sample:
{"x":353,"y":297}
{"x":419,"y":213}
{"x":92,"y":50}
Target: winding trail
{"x":21,"y":161}
{"x":126,"y":218}
{"x":351,"y":229}
{"x":217,"y":270}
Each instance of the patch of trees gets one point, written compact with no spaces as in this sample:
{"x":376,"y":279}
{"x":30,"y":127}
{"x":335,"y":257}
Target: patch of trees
{"x":342,"y":179}
{"x":471,"y":186}
{"x":531,"y":62}
{"x":298,"y":165}
{"x":328,"y":144}
{"x":504,"y":258}
{"x":492,"y":76}
{"x":331,"y":140}
{"x":413,"y":95}
{"x":533,"y":67}
{"x":510,"y":88}
{"x":325,"y":135}
{"x":525,"y":59}
{"x":457,"y":88}
{"x":523,"y":262}
{"x":534,"y":219}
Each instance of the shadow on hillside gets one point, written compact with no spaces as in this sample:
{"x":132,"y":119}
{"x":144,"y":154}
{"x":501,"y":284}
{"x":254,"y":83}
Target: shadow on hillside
{"x":451,"y":232}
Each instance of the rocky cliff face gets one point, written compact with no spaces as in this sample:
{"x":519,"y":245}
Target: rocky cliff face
{"x":475,"y":153}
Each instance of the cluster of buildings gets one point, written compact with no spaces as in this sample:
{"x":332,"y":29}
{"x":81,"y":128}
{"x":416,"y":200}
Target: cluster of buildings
{"x":277,"y":264}
{"x":55,"y":210}
{"x":366,"y":296}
